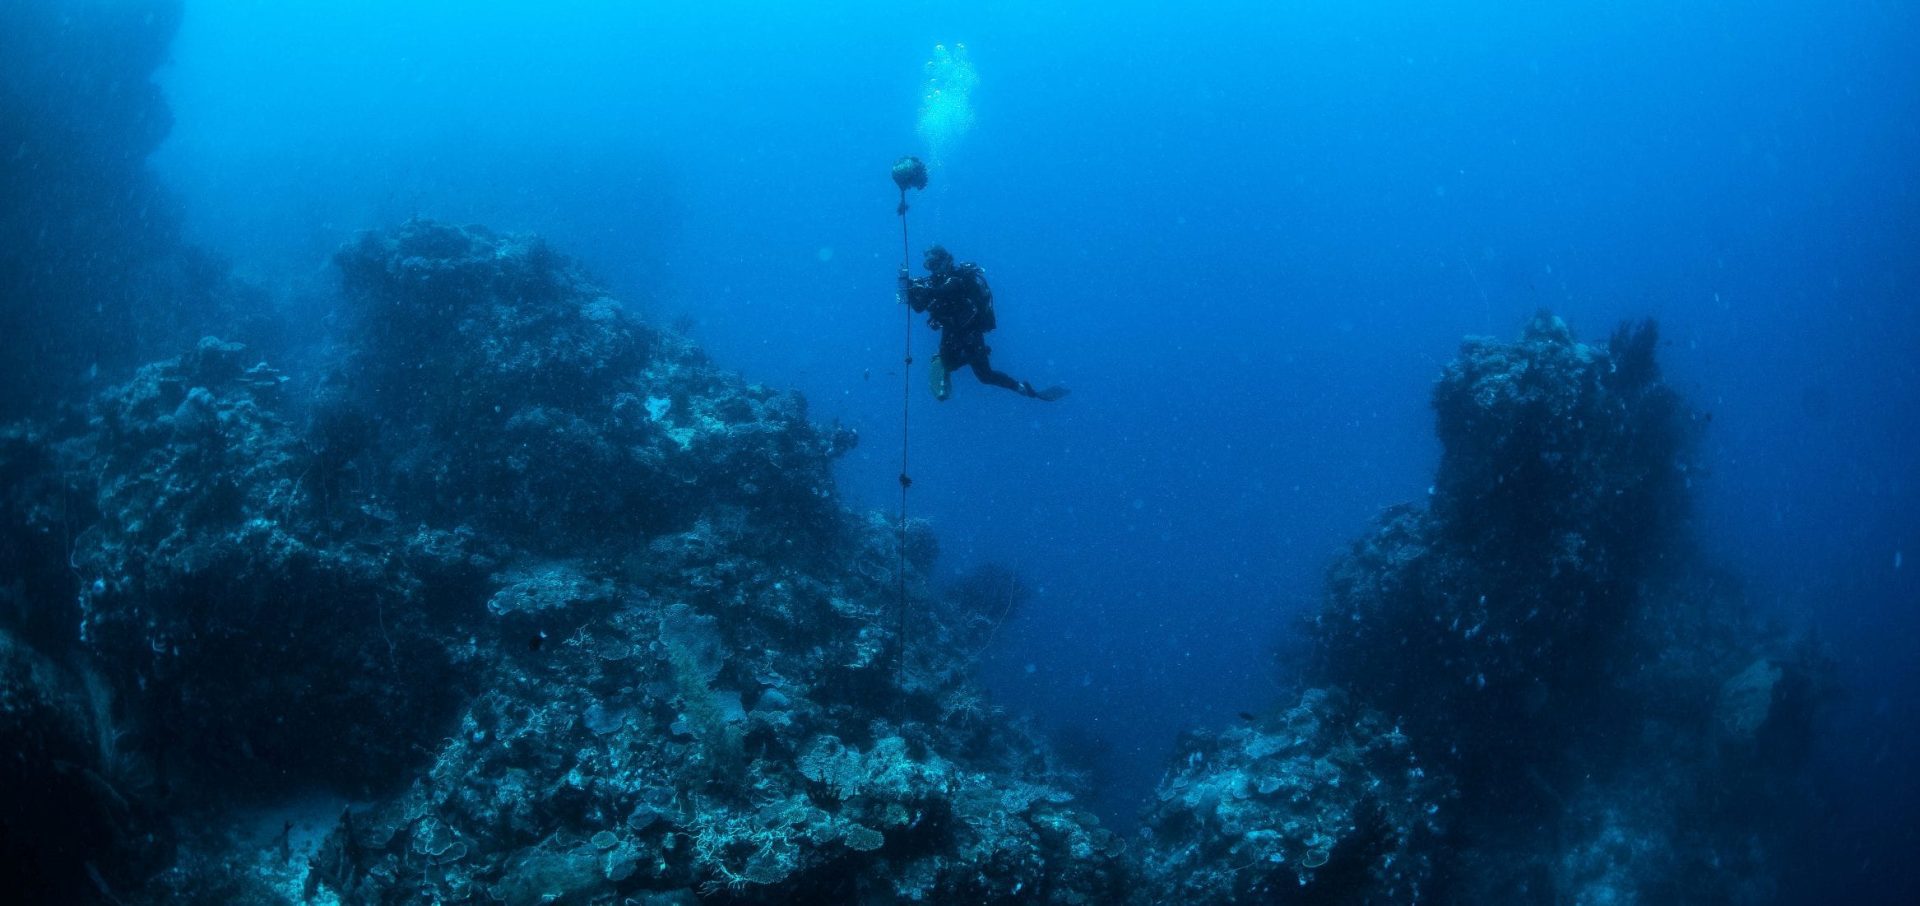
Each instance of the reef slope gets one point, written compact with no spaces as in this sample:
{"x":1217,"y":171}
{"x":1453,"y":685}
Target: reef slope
{"x":519,"y":599}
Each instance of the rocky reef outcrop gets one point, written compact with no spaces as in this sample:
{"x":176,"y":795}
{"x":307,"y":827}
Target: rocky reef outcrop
{"x":1319,"y":797}
{"x":545,"y":605}
{"x":258,"y":639}
{"x":512,"y":394}
{"x":515,"y":597}
{"x":1543,"y":692}
{"x":1498,"y":611}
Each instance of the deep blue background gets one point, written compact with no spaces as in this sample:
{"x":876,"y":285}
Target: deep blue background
{"x":1247,"y":237}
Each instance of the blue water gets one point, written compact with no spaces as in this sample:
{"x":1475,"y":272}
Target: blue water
{"x":1246,"y":236}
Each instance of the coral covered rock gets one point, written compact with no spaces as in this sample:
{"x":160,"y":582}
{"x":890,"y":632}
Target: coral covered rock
{"x":1597,"y":716}
{"x":1317,"y":803}
{"x":576,"y":616}
{"x":733,"y":742}
{"x":1498,"y":612}
{"x":258,"y":641}
{"x":512,"y":393}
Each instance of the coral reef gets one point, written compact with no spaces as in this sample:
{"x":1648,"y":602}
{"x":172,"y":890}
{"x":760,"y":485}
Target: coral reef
{"x":261,"y":642}
{"x":578,"y":614}
{"x":1319,"y":797}
{"x":514,"y":597}
{"x":514,"y":395}
{"x":1547,"y":642}
{"x":1497,"y":612}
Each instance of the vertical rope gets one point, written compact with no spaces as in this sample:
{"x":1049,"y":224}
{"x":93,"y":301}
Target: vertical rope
{"x":906,"y":406}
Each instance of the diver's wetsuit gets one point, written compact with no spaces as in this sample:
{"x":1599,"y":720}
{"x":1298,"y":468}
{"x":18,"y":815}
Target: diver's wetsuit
{"x":959,"y":305}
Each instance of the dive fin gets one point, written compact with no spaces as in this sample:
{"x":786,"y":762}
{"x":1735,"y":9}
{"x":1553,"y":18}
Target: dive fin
{"x":1051,"y":393}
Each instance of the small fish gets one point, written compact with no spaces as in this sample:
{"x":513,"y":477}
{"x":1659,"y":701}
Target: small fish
{"x":1248,"y":717}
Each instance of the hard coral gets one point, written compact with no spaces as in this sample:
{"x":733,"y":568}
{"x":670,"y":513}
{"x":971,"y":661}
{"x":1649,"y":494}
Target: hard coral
{"x":517,"y":395}
{"x":208,"y":577}
{"x":685,"y":671}
{"x":1322,"y":802}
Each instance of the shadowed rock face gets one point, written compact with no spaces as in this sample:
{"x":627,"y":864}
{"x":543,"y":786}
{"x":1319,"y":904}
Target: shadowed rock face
{"x":261,"y":640}
{"x":1560,"y":496}
{"x":89,"y":257}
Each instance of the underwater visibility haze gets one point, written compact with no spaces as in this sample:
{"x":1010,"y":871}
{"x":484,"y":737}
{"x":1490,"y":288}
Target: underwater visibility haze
{"x":622,"y":453}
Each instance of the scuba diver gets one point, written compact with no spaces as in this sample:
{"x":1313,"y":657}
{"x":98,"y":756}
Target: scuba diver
{"x":959,"y":305}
